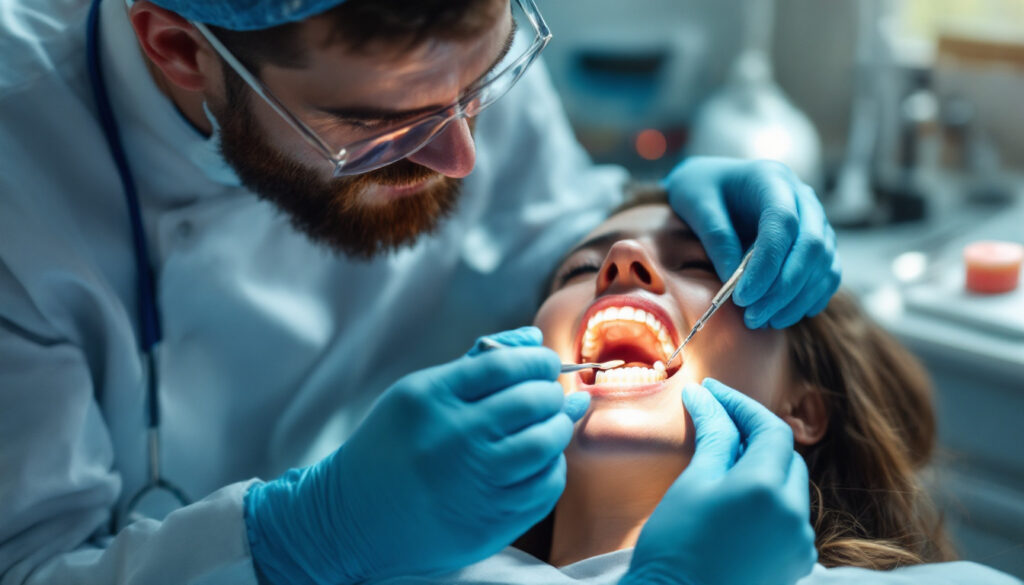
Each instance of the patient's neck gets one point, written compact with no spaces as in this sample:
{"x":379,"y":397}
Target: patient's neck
{"x":607,"y":500}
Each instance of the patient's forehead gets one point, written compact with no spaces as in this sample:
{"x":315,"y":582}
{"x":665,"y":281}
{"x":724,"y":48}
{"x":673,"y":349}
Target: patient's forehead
{"x":639,"y":221}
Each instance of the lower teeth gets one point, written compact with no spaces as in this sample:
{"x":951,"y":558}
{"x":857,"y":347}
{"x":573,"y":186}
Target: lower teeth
{"x":630,"y":376}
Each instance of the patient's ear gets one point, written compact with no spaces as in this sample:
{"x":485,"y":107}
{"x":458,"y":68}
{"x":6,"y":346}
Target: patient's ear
{"x":806,"y":414}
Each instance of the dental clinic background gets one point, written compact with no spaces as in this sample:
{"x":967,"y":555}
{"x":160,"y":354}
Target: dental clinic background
{"x":906,"y":116}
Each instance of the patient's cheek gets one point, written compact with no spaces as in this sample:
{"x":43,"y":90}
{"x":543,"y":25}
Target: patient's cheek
{"x":555,"y":319}
{"x":751,"y":361}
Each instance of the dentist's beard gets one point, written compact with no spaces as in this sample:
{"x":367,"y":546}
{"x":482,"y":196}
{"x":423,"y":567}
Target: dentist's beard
{"x":332,"y":212}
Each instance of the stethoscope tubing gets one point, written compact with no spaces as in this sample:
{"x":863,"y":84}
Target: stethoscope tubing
{"x":150,"y":332}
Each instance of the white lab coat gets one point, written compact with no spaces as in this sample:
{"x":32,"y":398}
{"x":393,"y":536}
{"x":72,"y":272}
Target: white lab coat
{"x":273,"y":349}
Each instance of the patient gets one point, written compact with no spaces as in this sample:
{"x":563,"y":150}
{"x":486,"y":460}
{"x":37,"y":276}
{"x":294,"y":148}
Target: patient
{"x":858,"y":403}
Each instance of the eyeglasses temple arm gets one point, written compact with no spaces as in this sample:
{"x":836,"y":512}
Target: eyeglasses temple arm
{"x":257,"y":86}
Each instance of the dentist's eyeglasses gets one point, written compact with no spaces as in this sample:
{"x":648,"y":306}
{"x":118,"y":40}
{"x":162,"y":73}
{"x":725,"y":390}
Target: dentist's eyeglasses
{"x":382,"y":147}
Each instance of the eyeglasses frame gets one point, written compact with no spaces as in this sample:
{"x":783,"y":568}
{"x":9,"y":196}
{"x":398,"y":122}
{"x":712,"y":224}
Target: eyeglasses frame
{"x":445,"y":114}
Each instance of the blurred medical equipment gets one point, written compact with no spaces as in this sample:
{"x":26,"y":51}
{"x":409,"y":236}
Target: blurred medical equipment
{"x":973,"y":347}
{"x":916,"y":126}
{"x":717,"y":301}
{"x":489,"y":344}
{"x":977,"y":80}
{"x":750,"y":117}
{"x":632,"y":73}
{"x":992,"y":267}
{"x":149,"y":318}
{"x":852,"y":201}
{"x":635,"y":74}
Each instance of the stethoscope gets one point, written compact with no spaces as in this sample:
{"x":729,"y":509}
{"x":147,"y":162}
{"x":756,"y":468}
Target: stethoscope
{"x":149,"y":316}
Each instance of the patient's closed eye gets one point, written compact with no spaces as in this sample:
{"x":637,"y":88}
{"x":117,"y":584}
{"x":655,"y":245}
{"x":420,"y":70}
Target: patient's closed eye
{"x":704,"y":265}
{"x":576,"y":271}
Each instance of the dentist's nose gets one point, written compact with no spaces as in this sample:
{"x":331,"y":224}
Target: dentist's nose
{"x":451,"y":153}
{"x":629,"y":266}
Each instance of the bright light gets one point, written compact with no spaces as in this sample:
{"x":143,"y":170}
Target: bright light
{"x":772,"y":143}
{"x":910,"y":266}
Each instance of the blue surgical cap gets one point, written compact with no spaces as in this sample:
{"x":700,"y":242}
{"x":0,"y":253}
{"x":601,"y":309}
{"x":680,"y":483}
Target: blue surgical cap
{"x":247,"y":14}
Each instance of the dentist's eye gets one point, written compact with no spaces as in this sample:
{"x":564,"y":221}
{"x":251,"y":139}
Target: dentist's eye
{"x":576,"y":271}
{"x":366,"y":125}
{"x":330,"y":123}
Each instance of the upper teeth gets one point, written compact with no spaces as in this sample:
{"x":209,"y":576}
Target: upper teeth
{"x":625,"y":314}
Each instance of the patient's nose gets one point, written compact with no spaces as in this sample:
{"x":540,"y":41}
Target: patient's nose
{"x":629,"y":266}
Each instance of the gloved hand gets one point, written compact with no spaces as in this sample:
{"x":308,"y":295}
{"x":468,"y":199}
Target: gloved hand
{"x":794,"y":270}
{"x":739,"y":514}
{"x":451,"y":465}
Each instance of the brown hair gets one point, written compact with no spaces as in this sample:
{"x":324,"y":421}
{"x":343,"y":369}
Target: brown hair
{"x":868,"y":506}
{"x":357,"y":23}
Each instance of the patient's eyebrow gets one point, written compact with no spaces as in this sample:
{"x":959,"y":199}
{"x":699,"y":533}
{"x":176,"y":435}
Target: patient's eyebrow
{"x":600,"y":241}
{"x":683,"y":233}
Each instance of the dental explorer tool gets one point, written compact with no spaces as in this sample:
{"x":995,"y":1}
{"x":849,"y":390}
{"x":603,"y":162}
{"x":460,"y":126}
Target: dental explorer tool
{"x":717,"y":301}
{"x":566,"y":368}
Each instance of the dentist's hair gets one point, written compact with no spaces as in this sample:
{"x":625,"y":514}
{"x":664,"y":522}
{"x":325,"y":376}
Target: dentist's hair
{"x":360,"y":25}
{"x":868,"y":506}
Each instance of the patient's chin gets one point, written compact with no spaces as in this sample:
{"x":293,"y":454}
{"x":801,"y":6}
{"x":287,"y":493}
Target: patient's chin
{"x":625,"y":429}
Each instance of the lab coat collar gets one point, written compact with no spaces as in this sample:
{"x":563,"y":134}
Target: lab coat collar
{"x":137,"y":100}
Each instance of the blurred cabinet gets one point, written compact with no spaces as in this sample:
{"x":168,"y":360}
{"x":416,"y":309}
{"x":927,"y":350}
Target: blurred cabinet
{"x":973,"y":347}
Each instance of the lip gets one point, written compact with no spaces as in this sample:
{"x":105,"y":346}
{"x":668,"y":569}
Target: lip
{"x":618,"y":392}
{"x":399,"y":191}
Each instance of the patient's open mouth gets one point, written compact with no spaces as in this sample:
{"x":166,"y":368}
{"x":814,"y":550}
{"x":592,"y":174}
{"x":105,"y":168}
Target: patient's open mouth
{"x":629,"y":328}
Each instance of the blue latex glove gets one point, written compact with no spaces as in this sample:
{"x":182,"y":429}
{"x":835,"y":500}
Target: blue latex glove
{"x":451,"y":465}
{"x":794,"y":270}
{"x":739,"y":514}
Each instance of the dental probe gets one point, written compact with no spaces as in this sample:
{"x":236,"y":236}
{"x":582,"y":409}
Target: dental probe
{"x":566,"y":368}
{"x":717,"y":301}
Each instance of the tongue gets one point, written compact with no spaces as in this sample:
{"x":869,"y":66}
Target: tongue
{"x":633,"y":351}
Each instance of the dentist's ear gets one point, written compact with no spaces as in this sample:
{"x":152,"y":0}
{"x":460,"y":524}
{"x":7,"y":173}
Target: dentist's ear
{"x":172,"y":44}
{"x":806,"y":414}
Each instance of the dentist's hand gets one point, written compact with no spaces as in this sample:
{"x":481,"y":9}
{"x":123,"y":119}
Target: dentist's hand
{"x":732,"y":517}
{"x":794,"y":270}
{"x":451,"y":465}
